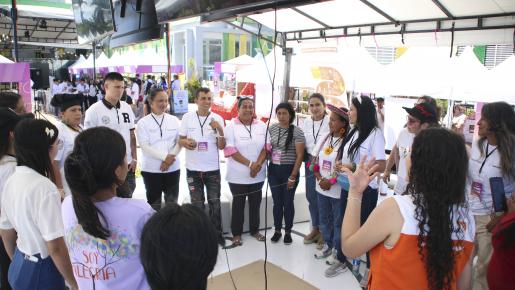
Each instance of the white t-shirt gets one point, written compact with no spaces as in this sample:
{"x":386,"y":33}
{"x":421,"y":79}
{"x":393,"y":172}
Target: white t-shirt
{"x":157,"y":136}
{"x":7,"y":166}
{"x":66,"y":142}
{"x":63,"y":87}
{"x":314,"y":131}
{"x":373,"y":146}
{"x":380,"y":120}
{"x":404,"y":142}
{"x":81,"y":88}
{"x":117,"y":258}
{"x":205,"y":156}
{"x":31,"y":205}
{"x":480,"y":182}
{"x":92,"y":91}
{"x":134,"y":92}
{"x":249,"y":141}
{"x":176,"y":85}
{"x":119,"y":118}
{"x":326,"y":163}
{"x":55,"y":89}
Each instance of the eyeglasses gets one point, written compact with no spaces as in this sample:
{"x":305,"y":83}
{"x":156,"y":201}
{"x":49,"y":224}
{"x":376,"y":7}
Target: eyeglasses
{"x":411,"y":120}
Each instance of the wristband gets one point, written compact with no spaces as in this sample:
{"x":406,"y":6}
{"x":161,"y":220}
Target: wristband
{"x":354,"y":198}
{"x":250,"y":164}
{"x":292,"y":180}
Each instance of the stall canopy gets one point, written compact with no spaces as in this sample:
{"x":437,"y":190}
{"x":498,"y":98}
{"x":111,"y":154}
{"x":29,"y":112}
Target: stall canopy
{"x":18,"y":73}
{"x":4,"y":59}
{"x":383,"y":22}
{"x":498,"y":83}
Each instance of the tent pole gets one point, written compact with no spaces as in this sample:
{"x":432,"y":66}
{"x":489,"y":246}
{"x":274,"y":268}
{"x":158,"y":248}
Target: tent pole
{"x":168,"y":51}
{"x":14,"y":17}
{"x":94,"y":47}
{"x":287,"y":52}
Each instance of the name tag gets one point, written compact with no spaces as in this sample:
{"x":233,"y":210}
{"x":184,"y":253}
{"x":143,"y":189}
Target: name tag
{"x":326,"y":165}
{"x":276,"y":157}
{"x":477,"y":189}
{"x":202,"y":146}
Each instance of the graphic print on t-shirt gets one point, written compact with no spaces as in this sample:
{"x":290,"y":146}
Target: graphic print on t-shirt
{"x":99,"y":257}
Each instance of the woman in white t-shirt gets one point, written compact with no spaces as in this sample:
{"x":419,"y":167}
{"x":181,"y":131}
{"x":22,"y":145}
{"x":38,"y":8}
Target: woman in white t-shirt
{"x":327,"y":152}
{"x":30,"y":221}
{"x":492,"y":160}
{"x":245,"y":151}
{"x":315,"y":128}
{"x":158,"y":136}
{"x":69,"y":127}
{"x":364,"y":139}
{"x":458,"y":119}
{"x":102,"y":231}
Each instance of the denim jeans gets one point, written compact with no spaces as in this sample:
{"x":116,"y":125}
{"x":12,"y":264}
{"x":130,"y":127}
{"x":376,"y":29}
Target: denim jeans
{"x":282,"y":196}
{"x":368,"y":203}
{"x":330,"y":220}
{"x":158,"y":183}
{"x":312,"y":196}
{"x":197,"y":180}
{"x":127,"y":188}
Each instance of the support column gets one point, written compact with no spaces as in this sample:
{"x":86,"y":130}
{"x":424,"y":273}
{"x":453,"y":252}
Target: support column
{"x":14,"y":17}
{"x":287,"y":52}
{"x":94,"y":47}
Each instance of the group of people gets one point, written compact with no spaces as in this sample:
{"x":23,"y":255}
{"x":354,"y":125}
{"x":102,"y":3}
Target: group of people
{"x":445,"y":211}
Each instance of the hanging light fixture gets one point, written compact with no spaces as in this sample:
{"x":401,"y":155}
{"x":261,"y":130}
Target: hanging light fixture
{"x":42,"y":25}
{"x":27,"y":34}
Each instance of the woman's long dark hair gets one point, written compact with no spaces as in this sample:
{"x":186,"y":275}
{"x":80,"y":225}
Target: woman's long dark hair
{"x":9,"y":100}
{"x":32,"y":142}
{"x":501,"y":120}
{"x":437,"y":183}
{"x":365,"y":123}
{"x":287,"y":106}
{"x":91,"y":166}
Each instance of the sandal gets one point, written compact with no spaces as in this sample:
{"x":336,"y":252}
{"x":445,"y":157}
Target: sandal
{"x":259,"y":237}
{"x":236,"y":241}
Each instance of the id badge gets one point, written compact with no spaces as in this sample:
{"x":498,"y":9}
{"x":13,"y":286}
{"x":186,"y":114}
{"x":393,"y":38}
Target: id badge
{"x":276,"y":157}
{"x":477,"y":189}
{"x":327,"y":165}
{"x":202,"y":146}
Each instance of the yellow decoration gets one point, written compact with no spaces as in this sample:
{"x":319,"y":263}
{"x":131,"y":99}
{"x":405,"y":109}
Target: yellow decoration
{"x":328,"y":150}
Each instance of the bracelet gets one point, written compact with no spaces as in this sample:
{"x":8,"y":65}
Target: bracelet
{"x":250,"y":164}
{"x":292,"y":180}
{"x":354,"y":198}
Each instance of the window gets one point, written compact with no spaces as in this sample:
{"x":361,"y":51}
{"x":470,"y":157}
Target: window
{"x":212,"y":51}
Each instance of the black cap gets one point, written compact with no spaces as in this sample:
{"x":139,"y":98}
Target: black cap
{"x":424,"y":112}
{"x":64,"y":101}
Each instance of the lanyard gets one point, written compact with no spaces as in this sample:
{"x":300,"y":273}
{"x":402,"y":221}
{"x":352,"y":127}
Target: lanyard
{"x":281,"y":135}
{"x":248,"y":129}
{"x":487,"y":155}
{"x":202,"y":124}
{"x":333,"y":145}
{"x":160,"y":125}
{"x":318,"y":132}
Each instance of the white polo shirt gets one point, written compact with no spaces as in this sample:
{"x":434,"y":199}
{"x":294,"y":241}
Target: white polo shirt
{"x":404,"y":142}
{"x":119,"y":118}
{"x":157,"y":135}
{"x":373,"y":146}
{"x":31,"y":205}
{"x":314,"y":131}
{"x":66,"y":142}
{"x":205,"y":157}
{"x":249,"y":141}
{"x":81,"y":88}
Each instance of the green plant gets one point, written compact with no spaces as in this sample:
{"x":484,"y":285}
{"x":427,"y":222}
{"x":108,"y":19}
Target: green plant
{"x":193,"y":83}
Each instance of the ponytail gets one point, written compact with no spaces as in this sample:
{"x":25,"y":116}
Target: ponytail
{"x":289,"y":138}
{"x":97,"y":153}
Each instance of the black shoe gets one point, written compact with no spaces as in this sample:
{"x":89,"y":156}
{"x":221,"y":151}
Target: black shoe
{"x":287,"y":239}
{"x":276,"y":237}
{"x":221,"y":241}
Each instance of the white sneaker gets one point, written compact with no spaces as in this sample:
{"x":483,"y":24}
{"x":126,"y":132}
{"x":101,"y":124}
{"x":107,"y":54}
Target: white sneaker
{"x":364,"y":280}
{"x":323,"y":253}
{"x":332,"y":258}
{"x":336,"y":269}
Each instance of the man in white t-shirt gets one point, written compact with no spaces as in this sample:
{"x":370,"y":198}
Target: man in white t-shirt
{"x":420,"y":117}
{"x":113,"y":113}
{"x":202,"y":134}
{"x":380,"y":113}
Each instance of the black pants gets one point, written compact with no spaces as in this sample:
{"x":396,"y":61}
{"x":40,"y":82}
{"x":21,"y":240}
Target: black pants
{"x":126,"y":189}
{"x":197,"y":180}
{"x":5,"y":261}
{"x":368,"y":203}
{"x":240,"y":192}
{"x":157,"y":183}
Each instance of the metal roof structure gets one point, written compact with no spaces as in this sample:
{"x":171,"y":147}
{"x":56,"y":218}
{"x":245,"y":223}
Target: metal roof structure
{"x":466,"y":21}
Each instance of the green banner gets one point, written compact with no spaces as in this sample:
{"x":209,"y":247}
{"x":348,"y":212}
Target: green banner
{"x":44,"y":3}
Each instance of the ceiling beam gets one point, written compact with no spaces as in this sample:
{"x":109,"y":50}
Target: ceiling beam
{"x":443,"y":9}
{"x":35,"y":27}
{"x":258,"y":35}
{"x":310,"y":17}
{"x":64,"y":28}
{"x":378,"y":10}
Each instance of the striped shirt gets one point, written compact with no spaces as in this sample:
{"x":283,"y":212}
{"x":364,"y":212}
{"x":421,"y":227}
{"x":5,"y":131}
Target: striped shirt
{"x":278,"y":138}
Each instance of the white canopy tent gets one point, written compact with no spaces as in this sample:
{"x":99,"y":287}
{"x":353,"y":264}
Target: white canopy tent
{"x":498,"y":83}
{"x":4,"y":59}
